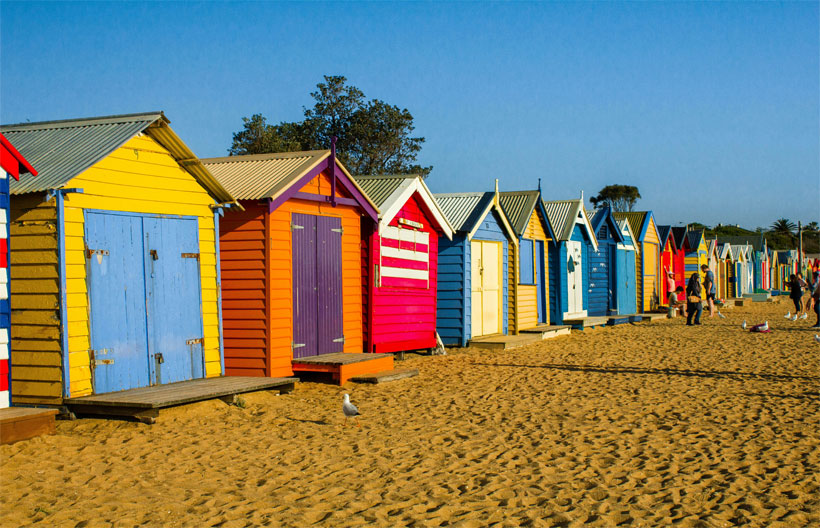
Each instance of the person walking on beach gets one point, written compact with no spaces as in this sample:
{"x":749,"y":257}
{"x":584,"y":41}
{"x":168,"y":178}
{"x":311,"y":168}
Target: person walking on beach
{"x":709,"y":288}
{"x":815,"y":297}
{"x":796,"y":294}
{"x":694,"y":306}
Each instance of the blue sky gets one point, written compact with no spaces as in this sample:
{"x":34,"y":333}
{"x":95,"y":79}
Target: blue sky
{"x":711,"y":109}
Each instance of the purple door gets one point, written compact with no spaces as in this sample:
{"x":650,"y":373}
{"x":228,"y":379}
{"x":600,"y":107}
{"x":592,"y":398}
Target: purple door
{"x":317,"y":285}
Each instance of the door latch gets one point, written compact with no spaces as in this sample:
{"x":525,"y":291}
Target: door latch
{"x":159,"y":359}
{"x":154,"y":255}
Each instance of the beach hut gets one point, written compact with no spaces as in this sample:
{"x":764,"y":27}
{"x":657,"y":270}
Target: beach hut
{"x":668,"y":252}
{"x":679,"y":237}
{"x":114,"y":259}
{"x":292,"y":264}
{"x":726,"y":265}
{"x":12,"y":165}
{"x":648,"y":244}
{"x":626,"y":271}
{"x":401,"y":264}
{"x":744,"y":269}
{"x":569,"y":254}
{"x":757,"y":259}
{"x":528,"y":218}
{"x":474,"y":296}
{"x":713,"y":261}
{"x":603,"y":264}
{"x":697,"y":252}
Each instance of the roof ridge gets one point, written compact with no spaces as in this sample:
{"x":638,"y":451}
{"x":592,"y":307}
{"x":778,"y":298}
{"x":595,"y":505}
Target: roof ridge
{"x":265,"y":156}
{"x":82,"y":121}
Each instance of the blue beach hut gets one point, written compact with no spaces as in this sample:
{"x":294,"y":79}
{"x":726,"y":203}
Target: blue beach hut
{"x":569,"y":251}
{"x":602,"y":264}
{"x":626,"y":294}
{"x":473,"y":268}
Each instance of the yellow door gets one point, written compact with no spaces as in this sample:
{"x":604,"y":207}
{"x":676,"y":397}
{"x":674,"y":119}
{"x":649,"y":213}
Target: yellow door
{"x":486,"y":266}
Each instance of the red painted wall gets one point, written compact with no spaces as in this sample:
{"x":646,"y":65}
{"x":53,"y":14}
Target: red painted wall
{"x":402,"y":318}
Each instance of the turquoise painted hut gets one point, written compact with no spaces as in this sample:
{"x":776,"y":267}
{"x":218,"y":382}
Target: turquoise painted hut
{"x":473,"y":268}
{"x":569,"y":252}
{"x":626,"y":296}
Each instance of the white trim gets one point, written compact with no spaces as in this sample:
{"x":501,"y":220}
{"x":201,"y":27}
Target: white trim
{"x":575,"y":315}
{"x":404,"y":273}
{"x":510,"y":233}
{"x":406,"y":254}
{"x":398,"y":198}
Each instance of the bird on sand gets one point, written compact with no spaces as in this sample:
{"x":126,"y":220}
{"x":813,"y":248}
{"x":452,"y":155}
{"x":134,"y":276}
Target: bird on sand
{"x":765,"y":327}
{"x":788,"y":315}
{"x":721,"y":315}
{"x":350,"y":410}
{"x":743,"y":326}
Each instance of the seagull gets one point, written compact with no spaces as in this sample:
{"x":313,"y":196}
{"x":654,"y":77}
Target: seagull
{"x":788,"y":315}
{"x":721,"y":315}
{"x":794,"y":318}
{"x":743,"y":326}
{"x":804,"y":316}
{"x":350,"y":410}
{"x":765,"y":327}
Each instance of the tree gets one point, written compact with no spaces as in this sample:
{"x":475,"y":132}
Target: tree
{"x":783,"y":226}
{"x":619,"y":197}
{"x":373,"y":137}
{"x":812,"y":227}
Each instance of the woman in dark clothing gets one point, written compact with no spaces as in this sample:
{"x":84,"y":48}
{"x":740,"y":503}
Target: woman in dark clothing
{"x":796,"y":294}
{"x":694,"y":306}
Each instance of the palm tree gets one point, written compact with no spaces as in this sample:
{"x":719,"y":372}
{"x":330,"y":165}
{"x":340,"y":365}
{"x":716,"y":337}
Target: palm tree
{"x":783,"y":227}
{"x":812,"y":226}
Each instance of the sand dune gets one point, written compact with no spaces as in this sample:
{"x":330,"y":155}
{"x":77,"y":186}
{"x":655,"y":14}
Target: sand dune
{"x":644,"y":425}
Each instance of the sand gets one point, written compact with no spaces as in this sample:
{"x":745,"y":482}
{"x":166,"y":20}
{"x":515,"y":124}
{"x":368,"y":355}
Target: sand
{"x":640,"y":425}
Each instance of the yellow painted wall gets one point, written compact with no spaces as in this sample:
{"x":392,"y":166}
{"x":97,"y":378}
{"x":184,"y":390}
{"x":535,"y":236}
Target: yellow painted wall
{"x":139,"y":177}
{"x":650,"y":254}
{"x":526,"y":302}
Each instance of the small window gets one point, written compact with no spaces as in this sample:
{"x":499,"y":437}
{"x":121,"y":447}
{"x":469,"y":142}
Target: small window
{"x":527,"y":263}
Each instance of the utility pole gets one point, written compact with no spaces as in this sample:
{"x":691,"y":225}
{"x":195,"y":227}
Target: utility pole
{"x":800,"y":246}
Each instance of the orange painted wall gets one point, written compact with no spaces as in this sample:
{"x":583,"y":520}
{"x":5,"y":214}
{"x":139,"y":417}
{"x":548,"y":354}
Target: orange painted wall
{"x":250,"y":297}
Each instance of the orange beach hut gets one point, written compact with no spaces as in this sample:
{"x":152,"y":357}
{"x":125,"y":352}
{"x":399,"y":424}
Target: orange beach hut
{"x":292,"y":285}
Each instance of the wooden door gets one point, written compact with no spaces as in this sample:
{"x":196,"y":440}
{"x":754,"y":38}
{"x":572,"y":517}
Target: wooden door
{"x":486,"y":289}
{"x":575,"y":290}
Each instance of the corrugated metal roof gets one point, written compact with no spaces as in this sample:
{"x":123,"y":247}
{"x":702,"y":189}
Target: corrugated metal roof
{"x":463,"y":210}
{"x":635,"y":219}
{"x":379,"y":188}
{"x":663,"y":234}
{"x":679,"y":234}
{"x":518,"y":206}
{"x":559,"y":212}
{"x":63,"y":149}
{"x":258,"y":176}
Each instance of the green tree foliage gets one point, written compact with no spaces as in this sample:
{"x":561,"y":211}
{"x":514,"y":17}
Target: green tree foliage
{"x":620,"y":198}
{"x":373,"y":137}
{"x":784,"y":227}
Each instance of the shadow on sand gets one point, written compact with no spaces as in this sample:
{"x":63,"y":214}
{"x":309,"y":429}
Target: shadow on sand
{"x":659,"y":371}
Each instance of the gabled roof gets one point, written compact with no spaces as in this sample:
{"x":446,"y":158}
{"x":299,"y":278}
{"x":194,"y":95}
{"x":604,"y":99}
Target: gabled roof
{"x":757,"y":241}
{"x":273,"y":176}
{"x":563,"y":215}
{"x":465,"y":211}
{"x":693,"y":238}
{"x":664,"y":233}
{"x":679,"y":235}
{"x":64,"y":149}
{"x":605,"y":215}
{"x":21,"y":166}
{"x":638,"y":220}
{"x":725,"y":252}
{"x":623,"y":225}
{"x":741,"y":250}
{"x":390,"y":193}
{"x":519,"y":206}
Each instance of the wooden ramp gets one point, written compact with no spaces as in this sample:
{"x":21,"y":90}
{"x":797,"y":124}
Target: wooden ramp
{"x":548,"y":331}
{"x":614,"y":320}
{"x":344,"y":366}
{"x":582,"y":323}
{"x":503,"y":342}
{"x":22,"y":423}
{"x":145,"y":403}
{"x":387,"y":375}
{"x":649,"y":317}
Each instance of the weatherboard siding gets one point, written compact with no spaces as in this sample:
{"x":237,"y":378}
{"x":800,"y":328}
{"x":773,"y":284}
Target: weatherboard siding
{"x":452,"y":310}
{"x":599,"y":272}
{"x":140,"y":177}
{"x":525,"y":304}
{"x":650,"y":255}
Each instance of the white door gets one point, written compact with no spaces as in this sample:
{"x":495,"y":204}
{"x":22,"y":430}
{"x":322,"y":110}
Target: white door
{"x":575,"y":292}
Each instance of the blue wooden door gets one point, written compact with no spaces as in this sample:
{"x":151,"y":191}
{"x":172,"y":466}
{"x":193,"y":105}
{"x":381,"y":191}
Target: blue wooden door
{"x":175,"y":335}
{"x":598,"y":289}
{"x":116,"y":291}
{"x":540,"y":282}
{"x":317,"y":285}
{"x":627,"y":292}
{"x":612,"y":282}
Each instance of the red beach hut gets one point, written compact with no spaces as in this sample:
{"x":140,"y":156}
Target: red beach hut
{"x":400,"y":264}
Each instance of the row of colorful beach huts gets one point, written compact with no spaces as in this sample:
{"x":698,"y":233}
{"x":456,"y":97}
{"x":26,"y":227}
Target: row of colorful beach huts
{"x":134,"y":263}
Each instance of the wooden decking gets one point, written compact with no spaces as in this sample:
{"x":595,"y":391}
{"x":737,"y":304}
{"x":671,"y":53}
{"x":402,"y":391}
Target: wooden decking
{"x":343,"y":366}
{"x":22,"y":423}
{"x":144,"y":403}
{"x":526,"y":337}
{"x":387,"y":375}
{"x":548,"y":331}
{"x":582,"y":323}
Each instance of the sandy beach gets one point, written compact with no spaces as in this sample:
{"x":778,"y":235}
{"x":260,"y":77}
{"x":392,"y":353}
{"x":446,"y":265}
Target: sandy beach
{"x":639,"y":425}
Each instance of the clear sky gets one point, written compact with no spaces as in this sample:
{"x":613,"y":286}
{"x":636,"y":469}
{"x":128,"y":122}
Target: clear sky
{"x":711,"y":109}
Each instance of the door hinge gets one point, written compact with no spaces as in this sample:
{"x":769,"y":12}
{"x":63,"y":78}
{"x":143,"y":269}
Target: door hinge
{"x":338,"y":230}
{"x":294,"y":345}
{"x":339,"y":339}
{"x":191,"y":255}
{"x":294,"y":227}
{"x":91,"y":252}
{"x":195,"y":341}
{"x":92,"y":355}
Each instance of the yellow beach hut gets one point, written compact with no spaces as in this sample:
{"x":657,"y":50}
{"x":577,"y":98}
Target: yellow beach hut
{"x":114,"y":259}
{"x":647,"y":242}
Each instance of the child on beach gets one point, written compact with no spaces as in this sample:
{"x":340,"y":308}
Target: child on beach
{"x":674,"y":303}
{"x":694,"y":306}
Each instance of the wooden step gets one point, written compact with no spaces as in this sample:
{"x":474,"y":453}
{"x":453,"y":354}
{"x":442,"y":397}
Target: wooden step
{"x":504,"y":342}
{"x":548,"y":331}
{"x":618,"y":320}
{"x":582,"y":323}
{"x":387,"y":375}
{"x":649,"y":317}
{"x":344,"y":366}
{"x":22,"y":423}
